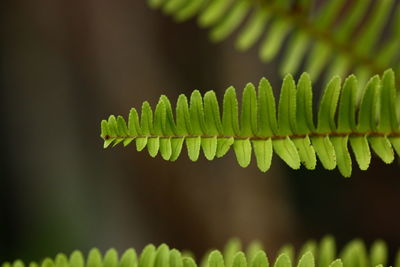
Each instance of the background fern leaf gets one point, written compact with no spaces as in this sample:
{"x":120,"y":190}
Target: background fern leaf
{"x":354,"y":254}
{"x":262,"y":128}
{"x":316,"y":34}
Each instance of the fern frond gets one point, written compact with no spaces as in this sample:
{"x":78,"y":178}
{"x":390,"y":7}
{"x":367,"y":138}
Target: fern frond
{"x":318,"y":36}
{"x":354,"y":254}
{"x":262,"y":128}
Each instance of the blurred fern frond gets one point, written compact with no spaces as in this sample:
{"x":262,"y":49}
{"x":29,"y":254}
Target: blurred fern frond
{"x":354,"y":254}
{"x":338,"y":35}
{"x":288,"y":130}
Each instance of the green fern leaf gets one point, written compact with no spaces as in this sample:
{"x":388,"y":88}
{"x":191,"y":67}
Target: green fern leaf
{"x":287,"y":130}
{"x":315,"y":33}
{"x":378,"y":254}
{"x":354,"y":254}
{"x":259,"y":260}
{"x":308,"y":247}
{"x":307,"y":260}
{"x":175,"y":258}
{"x":216,"y":259}
{"x":111,"y":259}
{"x":327,"y":251}
{"x":252,"y":253}
{"x":232,"y":247}
{"x":147,"y":256}
{"x":46,"y":263}
{"x":189,"y":262}
{"x":76,"y":259}
{"x":336,"y":263}
{"x":94,"y":258}
{"x":283,"y":260}
{"x":61,"y":260}
{"x":239,"y":260}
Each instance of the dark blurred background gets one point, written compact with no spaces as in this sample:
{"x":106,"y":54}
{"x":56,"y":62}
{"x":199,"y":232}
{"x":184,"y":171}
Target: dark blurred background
{"x":67,"y":64}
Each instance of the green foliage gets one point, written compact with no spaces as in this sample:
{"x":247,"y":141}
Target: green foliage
{"x":316,"y":35}
{"x":262,"y":128}
{"x":354,"y":254}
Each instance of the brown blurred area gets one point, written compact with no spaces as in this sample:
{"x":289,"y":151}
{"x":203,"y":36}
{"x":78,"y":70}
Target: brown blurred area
{"x":65,"y":65}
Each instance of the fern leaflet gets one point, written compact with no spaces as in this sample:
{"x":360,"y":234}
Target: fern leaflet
{"x":262,"y":128}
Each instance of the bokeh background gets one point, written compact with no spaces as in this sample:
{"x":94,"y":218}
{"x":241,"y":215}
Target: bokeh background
{"x":67,"y":64}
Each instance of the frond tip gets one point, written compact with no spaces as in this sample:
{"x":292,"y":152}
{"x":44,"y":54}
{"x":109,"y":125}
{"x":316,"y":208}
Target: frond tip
{"x":262,"y":128}
{"x":311,"y":254}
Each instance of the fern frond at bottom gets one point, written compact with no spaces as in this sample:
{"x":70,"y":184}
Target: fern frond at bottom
{"x":354,"y":254}
{"x":362,"y":118}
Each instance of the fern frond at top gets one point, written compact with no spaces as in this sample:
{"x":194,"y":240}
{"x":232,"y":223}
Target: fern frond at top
{"x":331,"y":33}
{"x":262,"y":128}
{"x":354,"y":254}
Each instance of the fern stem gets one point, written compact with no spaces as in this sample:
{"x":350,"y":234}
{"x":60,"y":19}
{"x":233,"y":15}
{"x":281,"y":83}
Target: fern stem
{"x":254,"y":137}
